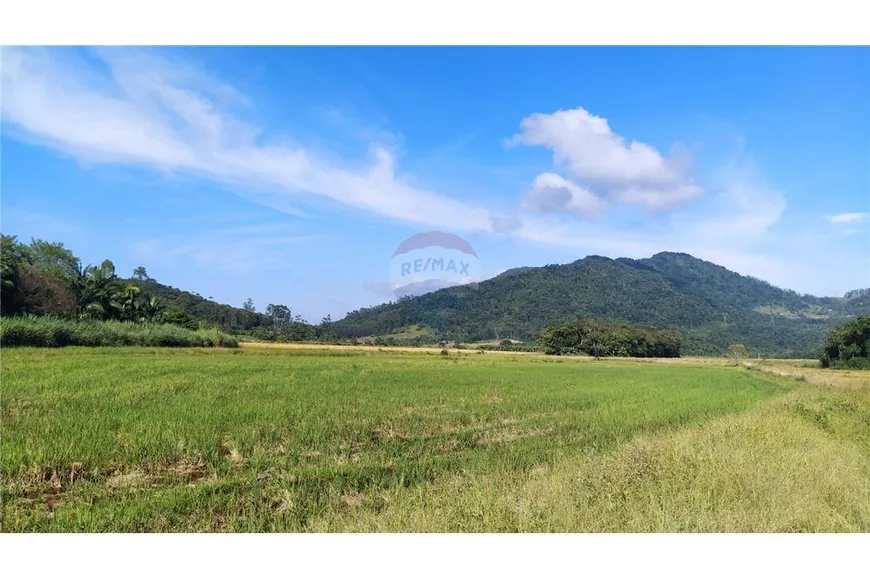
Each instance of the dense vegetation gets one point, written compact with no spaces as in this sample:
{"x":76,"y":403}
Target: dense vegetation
{"x":46,"y":279}
{"x":52,"y":331}
{"x":276,"y":323}
{"x":608,"y":339}
{"x":711,"y":306}
{"x":848,"y":345}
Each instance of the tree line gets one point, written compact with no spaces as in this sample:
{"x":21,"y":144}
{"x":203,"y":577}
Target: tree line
{"x":45,"y":278}
{"x":595,"y":338}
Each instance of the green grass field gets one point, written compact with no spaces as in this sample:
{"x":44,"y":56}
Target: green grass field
{"x":273,"y":439}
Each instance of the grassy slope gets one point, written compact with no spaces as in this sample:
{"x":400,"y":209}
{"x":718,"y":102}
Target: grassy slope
{"x":293,"y":439}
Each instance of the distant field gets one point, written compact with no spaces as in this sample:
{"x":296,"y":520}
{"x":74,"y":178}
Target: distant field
{"x":292,"y":438}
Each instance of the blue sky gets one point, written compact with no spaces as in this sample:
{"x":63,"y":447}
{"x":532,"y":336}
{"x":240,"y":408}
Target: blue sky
{"x":291,"y":174}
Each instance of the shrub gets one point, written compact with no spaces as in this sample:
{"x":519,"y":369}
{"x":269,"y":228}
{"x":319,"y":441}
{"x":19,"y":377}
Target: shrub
{"x":513,"y":347}
{"x":857,"y":362}
{"x":180,"y":318}
{"x":50,"y":331}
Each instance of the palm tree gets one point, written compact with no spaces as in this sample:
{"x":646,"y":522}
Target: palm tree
{"x":99,"y":292}
{"x":151,"y":309}
{"x":129,"y":302}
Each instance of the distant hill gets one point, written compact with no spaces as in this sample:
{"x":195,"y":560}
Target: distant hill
{"x":711,"y":305}
{"x":228,"y":317}
{"x":282,"y":327}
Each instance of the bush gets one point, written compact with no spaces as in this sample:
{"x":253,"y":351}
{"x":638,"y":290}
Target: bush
{"x":857,"y":362}
{"x":180,"y":318}
{"x":50,"y":331}
{"x":506,"y":342}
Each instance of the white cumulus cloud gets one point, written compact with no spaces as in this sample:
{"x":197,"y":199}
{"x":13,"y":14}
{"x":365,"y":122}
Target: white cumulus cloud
{"x":552,"y":193}
{"x":623,"y":172}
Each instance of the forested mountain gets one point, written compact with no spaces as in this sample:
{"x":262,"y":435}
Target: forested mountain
{"x":710,"y":305}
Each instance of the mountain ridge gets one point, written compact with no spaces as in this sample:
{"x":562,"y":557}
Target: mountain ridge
{"x":710,"y":304}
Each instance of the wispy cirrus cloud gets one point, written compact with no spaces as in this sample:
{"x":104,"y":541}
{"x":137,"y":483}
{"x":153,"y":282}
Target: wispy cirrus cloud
{"x":145,"y":108}
{"x":236,"y":250}
{"x":847,"y":218}
{"x":133,"y":107}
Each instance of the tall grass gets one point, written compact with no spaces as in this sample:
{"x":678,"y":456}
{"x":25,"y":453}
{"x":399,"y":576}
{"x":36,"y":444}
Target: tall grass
{"x":50,"y":331}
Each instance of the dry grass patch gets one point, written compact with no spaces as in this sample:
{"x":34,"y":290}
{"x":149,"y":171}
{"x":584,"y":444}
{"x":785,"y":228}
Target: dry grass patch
{"x":502,"y":436}
{"x":799,"y":463}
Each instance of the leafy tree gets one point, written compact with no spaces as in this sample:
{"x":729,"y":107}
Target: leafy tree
{"x":45,"y":294}
{"x":737,"y":352}
{"x":850,"y":340}
{"x":14,"y":257}
{"x":52,"y":258}
{"x":280,"y":313}
{"x":140,"y":274}
{"x":324,"y":329}
{"x":248,"y":305}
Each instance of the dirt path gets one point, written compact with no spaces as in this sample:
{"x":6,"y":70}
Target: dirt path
{"x":830,"y":377}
